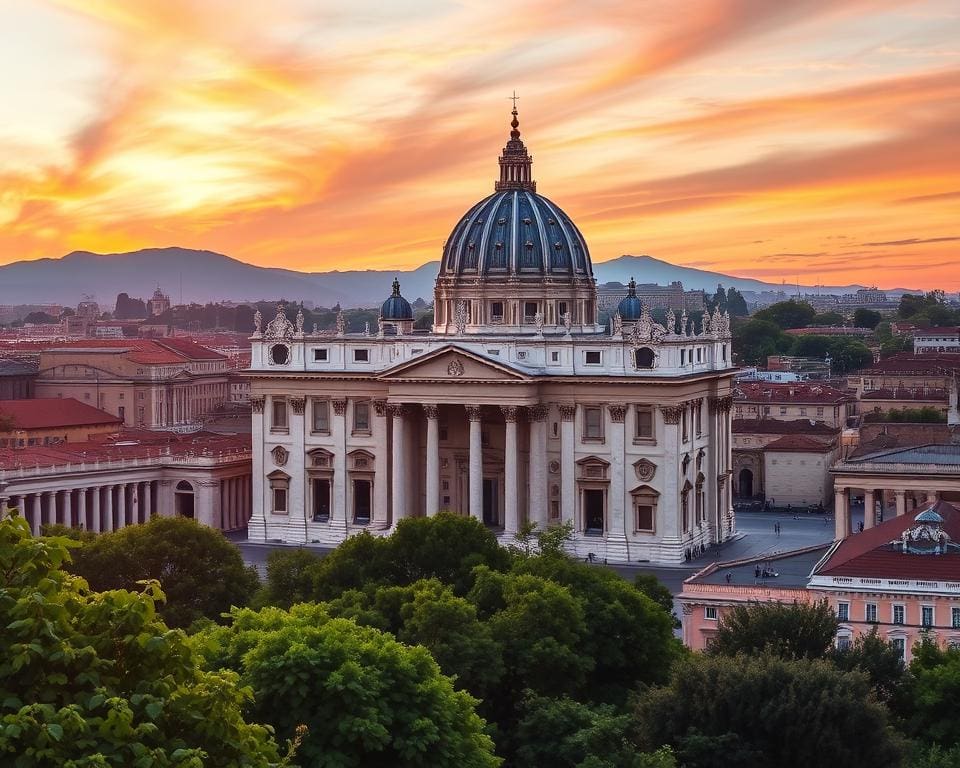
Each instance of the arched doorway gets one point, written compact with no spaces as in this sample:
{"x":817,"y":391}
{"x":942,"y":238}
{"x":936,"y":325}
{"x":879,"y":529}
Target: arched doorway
{"x":746,"y":483}
{"x":183,"y":499}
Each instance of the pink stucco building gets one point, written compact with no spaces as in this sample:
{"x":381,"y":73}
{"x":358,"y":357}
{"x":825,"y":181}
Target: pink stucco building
{"x":901,"y":578}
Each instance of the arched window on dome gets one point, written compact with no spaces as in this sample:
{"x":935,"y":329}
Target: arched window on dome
{"x":644,"y":357}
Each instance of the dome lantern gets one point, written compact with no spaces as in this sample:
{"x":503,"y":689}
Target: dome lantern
{"x":630,"y":307}
{"x":397,"y":310}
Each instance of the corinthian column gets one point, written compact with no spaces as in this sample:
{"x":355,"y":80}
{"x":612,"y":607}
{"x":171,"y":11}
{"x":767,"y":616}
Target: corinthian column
{"x":568,"y":466}
{"x":537,"y":496}
{"x":511,"y":490}
{"x":476,"y":463}
{"x":433,"y":459}
{"x":399,"y":470}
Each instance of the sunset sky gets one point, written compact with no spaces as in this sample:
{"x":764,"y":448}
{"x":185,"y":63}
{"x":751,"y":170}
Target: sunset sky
{"x":810,"y":140}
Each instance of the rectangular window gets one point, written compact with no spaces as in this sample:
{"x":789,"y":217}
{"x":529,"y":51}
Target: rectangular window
{"x":955,"y":618}
{"x":644,"y":422}
{"x":593,"y":424}
{"x":280,"y":500}
{"x":361,"y":355}
{"x":529,"y":311}
{"x":561,"y":310}
{"x":819,"y":411}
{"x":644,"y":517}
{"x":683,"y":357}
{"x":361,"y":502}
{"x":554,"y":357}
{"x":321,"y":355}
{"x":361,"y":417}
{"x":710,"y":612}
{"x":871,"y":613}
{"x":926,"y":615}
{"x":803,"y":411}
{"x":899,"y":613}
{"x":321,"y":416}
{"x":683,"y":424}
{"x":900,"y":646}
{"x":121,"y":412}
{"x":278,"y":413}
{"x":843,"y":643}
{"x":593,"y":511}
{"x":783,"y":411}
{"x":592,"y":357}
{"x":496,"y":312}
{"x":321,"y":499}
{"x":699,"y":354}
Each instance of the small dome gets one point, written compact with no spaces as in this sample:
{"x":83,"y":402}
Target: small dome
{"x":630,"y":307}
{"x":928,"y":516}
{"x":396,"y":308}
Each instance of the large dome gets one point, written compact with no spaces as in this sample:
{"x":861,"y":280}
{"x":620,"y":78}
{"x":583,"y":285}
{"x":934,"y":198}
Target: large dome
{"x":516,"y":232}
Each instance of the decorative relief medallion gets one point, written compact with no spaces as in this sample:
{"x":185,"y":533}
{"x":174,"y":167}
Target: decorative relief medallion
{"x":617,"y":413}
{"x":567,"y":411}
{"x":339,"y":407}
{"x":280,"y":455}
{"x":645,"y":470}
{"x":672,"y":413}
{"x":298,"y":404}
{"x":455,"y":368}
{"x":554,"y":467}
{"x":256,"y":404}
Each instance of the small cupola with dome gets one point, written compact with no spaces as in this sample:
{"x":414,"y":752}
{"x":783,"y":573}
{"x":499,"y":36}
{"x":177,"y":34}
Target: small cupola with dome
{"x":630,"y":308}
{"x":396,"y":311}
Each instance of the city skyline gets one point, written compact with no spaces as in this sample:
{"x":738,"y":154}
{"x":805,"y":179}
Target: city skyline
{"x":811,"y":141}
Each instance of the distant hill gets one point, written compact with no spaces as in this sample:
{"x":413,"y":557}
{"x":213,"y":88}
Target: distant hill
{"x":202,"y":276}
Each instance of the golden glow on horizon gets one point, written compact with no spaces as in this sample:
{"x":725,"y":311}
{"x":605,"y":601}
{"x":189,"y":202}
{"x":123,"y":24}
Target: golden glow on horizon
{"x":815,"y":140}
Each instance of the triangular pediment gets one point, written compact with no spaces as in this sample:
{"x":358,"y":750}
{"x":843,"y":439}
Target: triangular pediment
{"x":453,"y":364}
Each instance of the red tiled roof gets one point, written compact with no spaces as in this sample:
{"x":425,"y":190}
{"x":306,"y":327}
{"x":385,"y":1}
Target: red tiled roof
{"x":125,"y":444}
{"x":149,"y":351}
{"x":868,"y":554}
{"x":786,"y":427}
{"x":53,"y":412}
{"x":767,"y":392}
{"x":801,"y":443}
{"x":920,"y":365}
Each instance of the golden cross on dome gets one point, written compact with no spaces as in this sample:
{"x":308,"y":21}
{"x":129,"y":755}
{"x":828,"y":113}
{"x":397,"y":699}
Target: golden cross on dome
{"x":514,"y":98}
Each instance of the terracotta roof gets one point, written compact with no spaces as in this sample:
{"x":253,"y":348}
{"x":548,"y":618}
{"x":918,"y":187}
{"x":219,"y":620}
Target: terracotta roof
{"x":801,"y":443}
{"x":125,"y":444}
{"x":791,"y":427}
{"x":52,"y":412}
{"x":920,"y":365}
{"x":149,"y":351}
{"x":766,"y":392}
{"x":869,"y":554}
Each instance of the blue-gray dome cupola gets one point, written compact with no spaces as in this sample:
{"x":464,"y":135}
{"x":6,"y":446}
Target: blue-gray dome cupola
{"x":396,"y":308}
{"x":630,"y":307}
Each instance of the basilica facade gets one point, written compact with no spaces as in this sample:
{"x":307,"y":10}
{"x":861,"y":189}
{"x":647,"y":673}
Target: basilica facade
{"x":516,"y":407}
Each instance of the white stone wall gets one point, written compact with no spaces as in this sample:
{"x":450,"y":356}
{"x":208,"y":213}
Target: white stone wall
{"x":799,"y":478}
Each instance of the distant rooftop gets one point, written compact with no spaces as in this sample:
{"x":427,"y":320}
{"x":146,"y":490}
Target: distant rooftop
{"x":789,"y":569}
{"x":919,"y":454}
{"x":54,"y":412}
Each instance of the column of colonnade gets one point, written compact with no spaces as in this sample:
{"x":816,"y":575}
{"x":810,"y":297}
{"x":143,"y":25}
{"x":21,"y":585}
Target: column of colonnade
{"x":98,"y":508}
{"x":236,"y":502}
{"x":905,"y":501}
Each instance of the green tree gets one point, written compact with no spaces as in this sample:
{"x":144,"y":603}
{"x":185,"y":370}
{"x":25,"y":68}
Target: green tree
{"x":876,"y":658}
{"x":866,"y":318}
{"x":792,"y":631}
{"x":564,"y":733}
{"x":290,"y":575}
{"x":929,"y":709}
{"x":759,"y":711}
{"x":93,"y":680}
{"x":736,"y":304}
{"x":787,"y":314}
{"x":757,"y":339}
{"x":653,"y":588}
{"x":202,"y":574}
{"x":366,"y":699}
{"x":827,"y":318}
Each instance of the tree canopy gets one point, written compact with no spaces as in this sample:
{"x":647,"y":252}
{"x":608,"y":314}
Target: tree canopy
{"x":866,"y":318}
{"x":792,"y":631}
{"x":93,"y":680}
{"x":787,"y":314}
{"x":201,"y":573}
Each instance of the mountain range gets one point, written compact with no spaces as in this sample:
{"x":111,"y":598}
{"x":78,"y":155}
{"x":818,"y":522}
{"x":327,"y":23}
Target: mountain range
{"x":188,"y":275}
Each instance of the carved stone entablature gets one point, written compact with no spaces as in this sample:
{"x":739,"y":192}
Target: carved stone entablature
{"x":538,"y":412}
{"x":568,"y":411}
{"x":617,"y":413}
{"x":339,"y":407}
{"x":455,"y":368}
{"x":209,"y":483}
{"x":473,"y":412}
{"x":509,"y":413}
{"x":280,"y":327}
{"x":256,"y":404}
{"x":298,"y":404}
{"x":431,"y":410}
{"x":280,"y":455}
{"x":721,"y":404}
{"x":672,"y":413}
{"x":380,"y":407}
{"x":645,"y":470}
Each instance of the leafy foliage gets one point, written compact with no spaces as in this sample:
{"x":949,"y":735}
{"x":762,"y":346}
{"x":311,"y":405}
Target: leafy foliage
{"x":929,"y":710}
{"x":366,"y":699}
{"x":866,"y":318}
{"x":925,"y":415}
{"x":787,"y":314}
{"x":791,"y":631}
{"x":202,"y":574}
{"x":876,"y":658}
{"x":93,"y":680}
{"x":757,"y":339}
{"x":755,"y":711}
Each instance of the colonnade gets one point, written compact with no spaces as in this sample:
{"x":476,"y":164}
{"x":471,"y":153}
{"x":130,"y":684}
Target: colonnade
{"x":236,"y":502}
{"x":99,"y":508}
{"x":904,"y":501}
